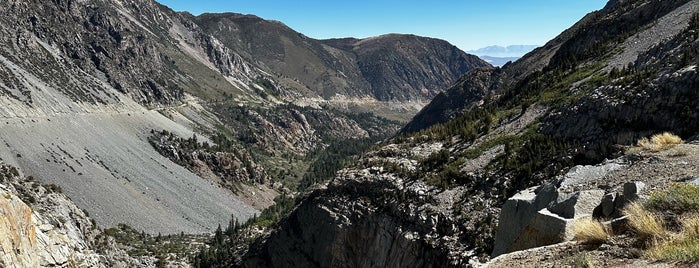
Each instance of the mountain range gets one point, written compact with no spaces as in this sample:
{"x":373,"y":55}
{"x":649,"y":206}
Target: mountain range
{"x":128,"y":130}
{"x":84,"y":83}
{"x":503,"y":51}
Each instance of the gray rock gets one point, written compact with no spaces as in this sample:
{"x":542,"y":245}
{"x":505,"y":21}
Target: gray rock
{"x":632,"y":190}
{"x":578,"y":204}
{"x":581,"y":174}
{"x":692,"y":180}
{"x":546,"y":228}
{"x":607,"y":204}
{"x":518,"y":211}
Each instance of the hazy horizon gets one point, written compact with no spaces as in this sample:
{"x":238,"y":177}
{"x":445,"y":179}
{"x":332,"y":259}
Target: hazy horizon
{"x":467,"y":24}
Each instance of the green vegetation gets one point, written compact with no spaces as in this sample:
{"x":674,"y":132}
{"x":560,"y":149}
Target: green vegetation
{"x":142,"y":244}
{"x":324,"y":163}
{"x":679,"y":198}
{"x":668,"y":223}
{"x":52,"y":188}
{"x":270,"y":216}
{"x":582,"y":260}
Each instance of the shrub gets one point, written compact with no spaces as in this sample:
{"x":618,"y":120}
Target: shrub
{"x":685,"y":249}
{"x":647,"y":224}
{"x":682,"y":246}
{"x":680,"y":202}
{"x":678,"y":198}
{"x":590,"y":231}
{"x":582,"y":260}
{"x":659,"y":142}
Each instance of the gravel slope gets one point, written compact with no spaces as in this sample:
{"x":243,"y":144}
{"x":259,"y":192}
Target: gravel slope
{"x":105,"y":165}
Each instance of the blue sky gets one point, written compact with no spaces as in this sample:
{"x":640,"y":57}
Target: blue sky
{"x":468,"y":24}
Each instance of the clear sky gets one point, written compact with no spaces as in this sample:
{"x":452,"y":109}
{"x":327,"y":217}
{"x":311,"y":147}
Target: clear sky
{"x":468,"y":24}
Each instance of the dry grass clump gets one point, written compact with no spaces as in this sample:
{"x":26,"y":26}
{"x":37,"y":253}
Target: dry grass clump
{"x":590,"y":231}
{"x":682,"y":246}
{"x":690,"y":225}
{"x":659,"y":142}
{"x":646,"y":223}
{"x":679,"y":202}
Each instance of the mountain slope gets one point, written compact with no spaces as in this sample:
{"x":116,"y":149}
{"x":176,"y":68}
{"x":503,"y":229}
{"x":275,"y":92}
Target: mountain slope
{"x":387,"y":68}
{"x":437,"y":190}
{"x":74,"y":79}
{"x":85,"y":84}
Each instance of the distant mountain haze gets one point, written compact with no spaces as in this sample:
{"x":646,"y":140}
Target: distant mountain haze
{"x":500,"y":51}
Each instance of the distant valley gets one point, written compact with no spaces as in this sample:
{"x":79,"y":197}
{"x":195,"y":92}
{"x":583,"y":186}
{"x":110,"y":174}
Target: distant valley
{"x":132,"y":135}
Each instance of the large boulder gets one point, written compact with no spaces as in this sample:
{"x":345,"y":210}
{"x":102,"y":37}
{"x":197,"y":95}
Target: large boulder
{"x":545,"y":228}
{"x":518,"y":211}
{"x":578,"y":204}
{"x":542,"y":216}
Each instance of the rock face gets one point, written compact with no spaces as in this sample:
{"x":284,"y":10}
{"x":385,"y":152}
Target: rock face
{"x":467,"y":93}
{"x":85,"y":50}
{"x":367,"y":239}
{"x":53,"y":232}
{"x":543,"y":215}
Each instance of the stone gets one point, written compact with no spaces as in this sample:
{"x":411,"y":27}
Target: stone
{"x":518,"y":211}
{"x":632,"y":190}
{"x":608,"y":205}
{"x":581,"y":174}
{"x":578,"y":204}
{"x":692,"y":180}
{"x":546,"y":228}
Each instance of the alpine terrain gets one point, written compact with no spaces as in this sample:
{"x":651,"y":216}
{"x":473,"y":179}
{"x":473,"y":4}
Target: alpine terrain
{"x":162,"y":126}
{"x":136,"y":136}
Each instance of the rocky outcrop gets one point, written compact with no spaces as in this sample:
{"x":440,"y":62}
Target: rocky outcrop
{"x":635,"y":176}
{"x":367,"y":238}
{"x":544,"y":215}
{"x":40,"y":227}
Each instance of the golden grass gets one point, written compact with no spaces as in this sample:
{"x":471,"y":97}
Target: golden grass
{"x":678,"y":201}
{"x":659,"y":142}
{"x":647,"y":224}
{"x":690,"y":225}
{"x":590,"y":231}
{"x":682,"y":246}
{"x":684,"y":249}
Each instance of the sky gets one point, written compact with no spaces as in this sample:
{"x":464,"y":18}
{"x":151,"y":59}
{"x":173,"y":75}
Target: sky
{"x":468,"y":24}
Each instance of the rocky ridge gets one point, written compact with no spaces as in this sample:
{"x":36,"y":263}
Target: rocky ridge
{"x":390,"y":67}
{"x":445,"y":181}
